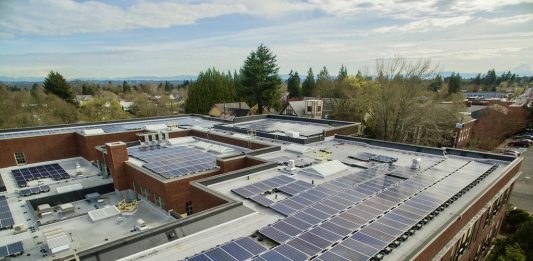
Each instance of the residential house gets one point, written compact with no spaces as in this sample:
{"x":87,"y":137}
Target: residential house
{"x":306,"y":108}
{"x":83,"y":99}
{"x":230,"y":110}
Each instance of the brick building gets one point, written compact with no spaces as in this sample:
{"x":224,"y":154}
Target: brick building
{"x":266,"y":187}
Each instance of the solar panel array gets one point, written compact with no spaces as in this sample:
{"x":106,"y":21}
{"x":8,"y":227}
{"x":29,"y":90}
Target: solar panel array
{"x":171,"y":162}
{"x":6,"y":218}
{"x":263,"y":186}
{"x":336,"y":186}
{"x":12,"y":249}
{"x":240,"y":249}
{"x":365,"y":156}
{"x":34,"y":190}
{"x":113,"y":127}
{"x":305,"y":129}
{"x":54,"y":171}
{"x":360,"y":222}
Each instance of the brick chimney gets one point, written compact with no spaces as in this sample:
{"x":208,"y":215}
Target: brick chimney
{"x":117,"y":154}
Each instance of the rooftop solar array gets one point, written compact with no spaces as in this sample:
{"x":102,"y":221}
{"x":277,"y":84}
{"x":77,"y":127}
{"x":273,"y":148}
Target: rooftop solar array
{"x":365,"y":156}
{"x":240,"y":249}
{"x":6,"y":218}
{"x":364,"y":216}
{"x":13,"y":249}
{"x":263,"y":186}
{"x":171,"y":162}
{"x":34,"y":190}
{"x":114,"y":127}
{"x":276,"y":126}
{"x":24,"y":175}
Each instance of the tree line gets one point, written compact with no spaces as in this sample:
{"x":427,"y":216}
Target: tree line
{"x":53,"y":101}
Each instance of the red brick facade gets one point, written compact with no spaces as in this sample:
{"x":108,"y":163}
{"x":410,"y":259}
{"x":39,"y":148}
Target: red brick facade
{"x":58,"y":146}
{"x":487,"y":225}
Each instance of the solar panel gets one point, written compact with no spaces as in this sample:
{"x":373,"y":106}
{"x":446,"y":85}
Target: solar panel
{"x":170,"y":162}
{"x":363,"y":156}
{"x":262,"y":200}
{"x":263,"y":186}
{"x":236,"y":251}
{"x":219,"y":254}
{"x":6,"y":218}
{"x":116,"y":127}
{"x":24,"y":175}
{"x":12,"y":249}
{"x":250,"y":245}
{"x":279,"y":127}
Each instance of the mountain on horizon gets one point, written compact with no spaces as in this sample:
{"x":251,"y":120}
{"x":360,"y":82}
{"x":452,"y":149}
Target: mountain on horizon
{"x":520,"y":70}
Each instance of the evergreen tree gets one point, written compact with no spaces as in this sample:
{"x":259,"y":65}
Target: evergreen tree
{"x":323,"y":75}
{"x":293,"y":85}
{"x":56,"y":84}
{"x":436,"y":84}
{"x":477,"y":80}
{"x":490,"y":80}
{"x":454,"y":83}
{"x":343,"y":73}
{"x":209,"y":88}
{"x":309,"y":84}
{"x":259,"y":78}
{"x":126,"y":87}
{"x":168,"y":87}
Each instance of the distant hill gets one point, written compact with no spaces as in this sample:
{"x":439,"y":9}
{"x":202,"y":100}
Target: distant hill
{"x":178,"y":78}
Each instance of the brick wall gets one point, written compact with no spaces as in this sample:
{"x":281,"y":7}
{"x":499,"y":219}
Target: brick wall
{"x":117,"y":154}
{"x":39,"y":149}
{"x":88,"y":143}
{"x":175,"y":193}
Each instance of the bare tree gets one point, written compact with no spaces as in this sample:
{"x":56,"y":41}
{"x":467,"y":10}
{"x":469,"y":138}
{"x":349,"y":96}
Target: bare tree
{"x":397,"y":105}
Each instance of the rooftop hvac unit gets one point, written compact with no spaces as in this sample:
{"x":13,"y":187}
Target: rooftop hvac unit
{"x":19,"y":228}
{"x":92,"y":131}
{"x":416,"y":163}
{"x":103,"y":213}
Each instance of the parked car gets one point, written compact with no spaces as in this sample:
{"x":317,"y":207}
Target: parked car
{"x":511,"y":153}
{"x":524,"y":136}
{"x":517,"y":152}
{"x":521,"y":143}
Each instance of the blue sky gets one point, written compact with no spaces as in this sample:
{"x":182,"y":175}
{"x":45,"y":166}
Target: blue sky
{"x":112,"y":39}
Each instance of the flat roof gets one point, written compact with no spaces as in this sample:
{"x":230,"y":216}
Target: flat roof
{"x":362,"y":207}
{"x":282,"y":127}
{"x":181,"y":156}
{"x":86,"y":175}
{"x":113,"y":127}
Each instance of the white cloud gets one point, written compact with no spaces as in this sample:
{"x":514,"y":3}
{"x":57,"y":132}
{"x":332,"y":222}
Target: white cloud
{"x":425,"y":25}
{"x":64,"y":17}
{"x":517,"y":19}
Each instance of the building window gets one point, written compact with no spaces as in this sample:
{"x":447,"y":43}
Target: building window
{"x":309,"y":108}
{"x":318,"y":108}
{"x":20,"y":158}
{"x":188,"y":207}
